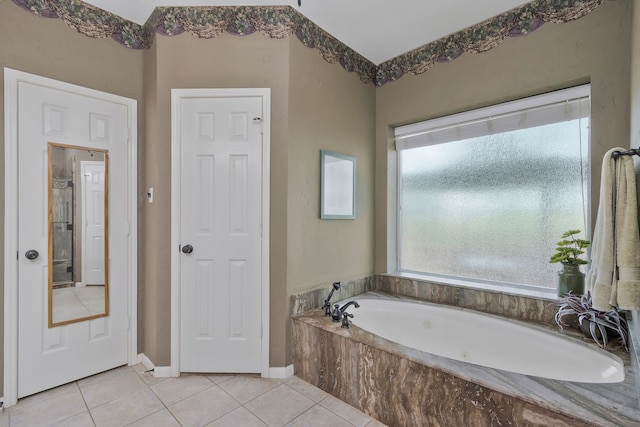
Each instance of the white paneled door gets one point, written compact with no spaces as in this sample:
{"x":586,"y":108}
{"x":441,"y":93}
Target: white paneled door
{"x":220,"y":234}
{"x":51,"y":356}
{"x":92,"y":223}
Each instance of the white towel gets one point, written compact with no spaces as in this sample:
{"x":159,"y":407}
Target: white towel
{"x":626,"y":295}
{"x":614,"y":274}
{"x":600,"y":275}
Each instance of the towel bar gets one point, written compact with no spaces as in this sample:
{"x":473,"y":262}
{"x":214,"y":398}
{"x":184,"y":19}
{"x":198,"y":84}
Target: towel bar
{"x":631,"y":152}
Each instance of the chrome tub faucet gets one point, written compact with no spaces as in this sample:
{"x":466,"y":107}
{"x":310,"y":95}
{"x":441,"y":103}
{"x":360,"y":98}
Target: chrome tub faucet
{"x":339,"y":313}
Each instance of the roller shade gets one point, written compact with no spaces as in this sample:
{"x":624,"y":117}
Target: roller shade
{"x":553,"y":107}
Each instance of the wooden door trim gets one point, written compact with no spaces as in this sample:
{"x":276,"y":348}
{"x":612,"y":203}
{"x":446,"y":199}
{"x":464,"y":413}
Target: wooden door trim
{"x":176,"y":97}
{"x":12,"y":78}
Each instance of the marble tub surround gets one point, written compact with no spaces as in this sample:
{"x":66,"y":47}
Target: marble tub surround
{"x":402,"y":386}
{"x":308,"y":300}
{"x":526,"y":308}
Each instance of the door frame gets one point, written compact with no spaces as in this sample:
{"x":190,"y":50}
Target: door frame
{"x":177,"y":95}
{"x":11,"y":80}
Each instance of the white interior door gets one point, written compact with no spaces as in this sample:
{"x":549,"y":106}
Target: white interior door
{"x":93,"y":185}
{"x":220,"y":234}
{"x":48,"y":357}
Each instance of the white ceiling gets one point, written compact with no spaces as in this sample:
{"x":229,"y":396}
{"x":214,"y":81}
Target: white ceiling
{"x":377,"y":29}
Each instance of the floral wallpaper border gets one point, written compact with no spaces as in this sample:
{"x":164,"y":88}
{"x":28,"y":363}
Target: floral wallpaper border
{"x":484,"y":36}
{"x":284,"y":21}
{"x":271,"y":21}
{"x":89,"y":20}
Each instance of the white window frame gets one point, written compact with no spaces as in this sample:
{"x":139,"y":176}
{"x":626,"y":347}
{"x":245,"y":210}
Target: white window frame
{"x":394,"y":184}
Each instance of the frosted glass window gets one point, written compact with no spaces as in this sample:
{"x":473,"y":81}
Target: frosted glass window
{"x":491,"y":208}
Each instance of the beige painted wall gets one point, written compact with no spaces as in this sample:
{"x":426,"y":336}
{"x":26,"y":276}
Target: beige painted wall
{"x":305,"y":252}
{"x":223,"y":62}
{"x":148,"y":237}
{"x":328,"y":109}
{"x":333,"y":110}
{"x":592,"y":49}
{"x":320,"y":97}
{"x":315,"y":105}
{"x":49,"y":48}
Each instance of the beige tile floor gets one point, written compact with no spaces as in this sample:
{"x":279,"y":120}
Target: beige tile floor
{"x":129,"y":396}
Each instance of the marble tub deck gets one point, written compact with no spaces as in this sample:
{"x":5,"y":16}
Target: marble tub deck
{"x":612,"y":405}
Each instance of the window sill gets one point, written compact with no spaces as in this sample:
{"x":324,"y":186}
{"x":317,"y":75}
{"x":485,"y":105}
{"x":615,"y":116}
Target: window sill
{"x":527,"y":291}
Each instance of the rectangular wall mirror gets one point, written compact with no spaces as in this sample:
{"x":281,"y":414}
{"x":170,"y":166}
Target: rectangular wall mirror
{"x":338,"y":186}
{"x":78,"y":244}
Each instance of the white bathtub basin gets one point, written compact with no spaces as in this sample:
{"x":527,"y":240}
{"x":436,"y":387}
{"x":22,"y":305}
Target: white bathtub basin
{"x":486,"y":340}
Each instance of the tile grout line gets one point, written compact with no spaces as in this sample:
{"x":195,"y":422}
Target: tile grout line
{"x":125,"y":371}
{"x":184,"y":398}
{"x":85,"y":404}
{"x":158,"y":397}
{"x":214,"y":384}
{"x":337,"y":414}
{"x":243,"y":405}
{"x":302,"y":413}
{"x":261,"y":394}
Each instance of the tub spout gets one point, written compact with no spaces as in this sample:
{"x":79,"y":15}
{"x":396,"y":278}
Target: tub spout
{"x":339,"y":312}
{"x":344,"y":307}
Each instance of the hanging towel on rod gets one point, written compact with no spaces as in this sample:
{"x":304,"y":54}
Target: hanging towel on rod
{"x":614,"y":275}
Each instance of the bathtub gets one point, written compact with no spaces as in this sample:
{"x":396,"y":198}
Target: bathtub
{"x":486,"y":340}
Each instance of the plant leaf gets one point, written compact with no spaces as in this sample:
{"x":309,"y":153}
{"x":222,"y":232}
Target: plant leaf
{"x":569,"y":233}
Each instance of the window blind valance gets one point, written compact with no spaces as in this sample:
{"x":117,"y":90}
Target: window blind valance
{"x":553,"y":107}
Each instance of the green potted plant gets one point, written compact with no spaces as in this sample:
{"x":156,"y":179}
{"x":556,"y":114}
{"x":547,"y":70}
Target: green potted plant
{"x":568,"y":252}
{"x":601,"y":326}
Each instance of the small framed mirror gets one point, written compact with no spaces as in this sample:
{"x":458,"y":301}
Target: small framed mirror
{"x":338,"y":186}
{"x":78,"y":230}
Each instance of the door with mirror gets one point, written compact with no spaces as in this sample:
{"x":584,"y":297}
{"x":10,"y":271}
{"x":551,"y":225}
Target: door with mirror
{"x":73,"y":236}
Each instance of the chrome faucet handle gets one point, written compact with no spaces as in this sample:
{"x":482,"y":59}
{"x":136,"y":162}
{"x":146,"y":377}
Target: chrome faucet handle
{"x":345,"y":320}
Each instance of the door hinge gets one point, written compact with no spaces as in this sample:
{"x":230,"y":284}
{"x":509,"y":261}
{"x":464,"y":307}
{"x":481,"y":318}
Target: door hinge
{"x":260,"y":230}
{"x":128,"y":323}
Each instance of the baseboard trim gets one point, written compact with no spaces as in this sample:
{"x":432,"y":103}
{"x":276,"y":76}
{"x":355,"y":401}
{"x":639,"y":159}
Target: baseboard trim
{"x":162,"y":372}
{"x":146,"y":362}
{"x":158,"y":371}
{"x":284,"y":372}
{"x":165,"y":371}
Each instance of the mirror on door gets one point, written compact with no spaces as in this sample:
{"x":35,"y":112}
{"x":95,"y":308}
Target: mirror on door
{"x":78,"y":244}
